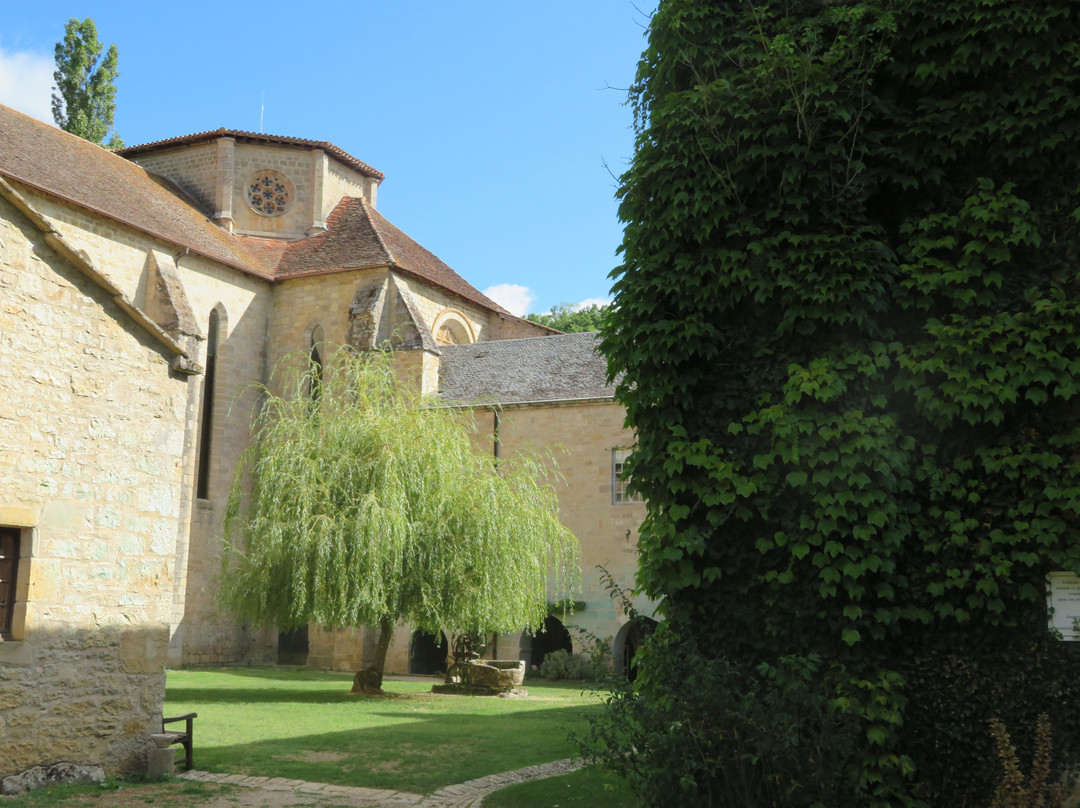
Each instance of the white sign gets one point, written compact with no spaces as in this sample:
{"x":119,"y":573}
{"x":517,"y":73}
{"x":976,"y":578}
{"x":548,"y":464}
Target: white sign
{"x":1063,"y":602}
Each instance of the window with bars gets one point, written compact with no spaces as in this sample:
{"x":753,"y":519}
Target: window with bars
{"x":619,"y":479}
{"x":9,"y":569}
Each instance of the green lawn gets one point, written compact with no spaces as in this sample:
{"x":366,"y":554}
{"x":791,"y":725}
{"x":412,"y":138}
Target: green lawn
{"x":585,"y":788}
{"x":304,"y":724}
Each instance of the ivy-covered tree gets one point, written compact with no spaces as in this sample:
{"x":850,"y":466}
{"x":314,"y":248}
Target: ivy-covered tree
{"x":362,"y":504}
{"x":84,"y":101}
{"x":572,"y":319}
{"x":848,"y":326}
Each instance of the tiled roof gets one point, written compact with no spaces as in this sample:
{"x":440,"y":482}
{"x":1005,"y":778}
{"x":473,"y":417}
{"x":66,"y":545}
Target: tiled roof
{"x":359,"y":236}
{"x":45,"y":158}
{"x":560,"y":367}
{"x":255,"y":137}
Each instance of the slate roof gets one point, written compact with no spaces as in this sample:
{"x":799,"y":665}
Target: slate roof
{"x":255,"y":137}
{"x":48,"y":159}
{"x":561,"y":367}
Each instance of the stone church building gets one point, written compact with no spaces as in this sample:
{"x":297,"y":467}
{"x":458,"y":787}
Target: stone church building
{"x":142,"y":293}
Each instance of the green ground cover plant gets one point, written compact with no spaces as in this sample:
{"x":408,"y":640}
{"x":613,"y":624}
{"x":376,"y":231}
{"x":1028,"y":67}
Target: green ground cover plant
{"x":305,"y":724}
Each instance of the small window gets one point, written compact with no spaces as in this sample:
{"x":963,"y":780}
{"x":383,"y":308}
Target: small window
{"x":206,"y":427}
{"x":619,"y":480}
{"x":9,"y":570}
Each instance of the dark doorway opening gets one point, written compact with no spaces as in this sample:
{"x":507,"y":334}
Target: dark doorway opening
{"x":427,"y":653}
{"x":292,"y":647}
{"x":554,"y":637}
{"x":635,"y":636}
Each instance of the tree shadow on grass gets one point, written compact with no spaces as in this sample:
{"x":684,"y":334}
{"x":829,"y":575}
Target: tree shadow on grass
{"x":417,"y":753}
{"x":415,"y":742}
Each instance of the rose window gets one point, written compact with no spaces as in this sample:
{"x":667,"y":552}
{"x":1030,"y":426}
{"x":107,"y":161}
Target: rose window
{"x":268,"y":193}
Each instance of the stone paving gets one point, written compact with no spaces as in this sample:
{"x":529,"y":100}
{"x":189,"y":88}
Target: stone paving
{"x":469,"y":794}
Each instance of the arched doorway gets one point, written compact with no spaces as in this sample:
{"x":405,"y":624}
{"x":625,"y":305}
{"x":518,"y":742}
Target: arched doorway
{"x":627,"y":643}
{"x":427,"y":653}
{"x":553,"y":637}
{"x":292,"y":646}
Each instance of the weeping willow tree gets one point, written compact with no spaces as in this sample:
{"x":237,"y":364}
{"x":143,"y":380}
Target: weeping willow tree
{"x":360,"y":503}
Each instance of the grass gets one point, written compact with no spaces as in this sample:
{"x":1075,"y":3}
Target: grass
{"x":585,"y":788}
{"x":117,"y":792}
{"x":304,"y":724}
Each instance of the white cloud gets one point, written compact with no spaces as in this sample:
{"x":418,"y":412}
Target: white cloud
{"x":26,"y":82}
{"x":591,"y":301}
{"x":510,"y":296}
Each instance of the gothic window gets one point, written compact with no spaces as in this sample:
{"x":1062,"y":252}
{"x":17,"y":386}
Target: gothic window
{"x":206,"y":424}
{"x":315,"y":360}
{"x":619,"y":480}
{"x":9,"y":567}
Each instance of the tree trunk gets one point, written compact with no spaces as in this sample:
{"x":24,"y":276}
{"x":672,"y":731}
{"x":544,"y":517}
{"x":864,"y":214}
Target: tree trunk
{"x":369,"y":680}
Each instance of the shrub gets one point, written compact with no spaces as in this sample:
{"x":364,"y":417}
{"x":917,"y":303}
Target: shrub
{"x":561,"y":665}
{"x":706,"y":732}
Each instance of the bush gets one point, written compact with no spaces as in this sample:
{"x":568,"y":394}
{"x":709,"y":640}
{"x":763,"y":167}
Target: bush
{"x":561,"y":665}
{"x":795,"y":733}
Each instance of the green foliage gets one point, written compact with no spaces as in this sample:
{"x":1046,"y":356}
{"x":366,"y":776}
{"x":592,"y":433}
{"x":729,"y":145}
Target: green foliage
{"x":845,"y":332}
{"x":370,"y":505}
{"x":84,"y":102}
{"x":571,"y":320}
{"x":720,"y":733}
{"x":562,"y":665}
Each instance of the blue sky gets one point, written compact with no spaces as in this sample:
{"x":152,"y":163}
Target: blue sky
{"x":498,"y":125}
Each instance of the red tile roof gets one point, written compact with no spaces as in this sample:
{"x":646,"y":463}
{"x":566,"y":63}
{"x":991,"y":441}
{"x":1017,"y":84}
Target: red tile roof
{"x":45,"y":158}
{"x":359,"y":236}
{"x":49,"y":160}
{"x":255,"y":137}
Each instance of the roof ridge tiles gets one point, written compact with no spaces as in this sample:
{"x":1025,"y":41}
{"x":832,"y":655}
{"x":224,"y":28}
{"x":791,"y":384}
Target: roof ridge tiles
{"x":211,"y":134}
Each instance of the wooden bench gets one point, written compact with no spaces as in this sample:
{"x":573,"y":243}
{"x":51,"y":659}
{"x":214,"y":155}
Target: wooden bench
{"x":184,"y":738}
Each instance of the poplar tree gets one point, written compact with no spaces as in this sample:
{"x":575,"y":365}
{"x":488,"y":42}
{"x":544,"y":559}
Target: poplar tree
{"x":360,"y":503}
{"x":84,"y":101}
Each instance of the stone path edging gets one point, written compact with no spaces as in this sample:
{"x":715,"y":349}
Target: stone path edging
{"x":469,"y":794}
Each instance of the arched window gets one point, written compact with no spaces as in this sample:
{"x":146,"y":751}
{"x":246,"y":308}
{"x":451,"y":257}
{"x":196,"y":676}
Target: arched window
{"x":451,"y":327}
{"x":315,"y":359}
{"x":206,"y":423}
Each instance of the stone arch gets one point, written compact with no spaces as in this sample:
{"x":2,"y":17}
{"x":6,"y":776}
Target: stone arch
{"x":627,"y":642}
{"x":552,"y":637}
{"x":427,"y":653}
{"x":452,"y":327}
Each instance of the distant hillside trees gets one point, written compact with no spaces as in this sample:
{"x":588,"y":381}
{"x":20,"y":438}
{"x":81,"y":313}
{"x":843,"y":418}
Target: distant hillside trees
{"x":572,"y":319}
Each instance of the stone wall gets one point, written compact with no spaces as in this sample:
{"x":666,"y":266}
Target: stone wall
{"x":580,"y":438}
{"x":194,"y":168}
{"x":296,"y":166}
{"x":341,"y":182}
{"x":92,"y":428}
{"x":201,"y":633}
